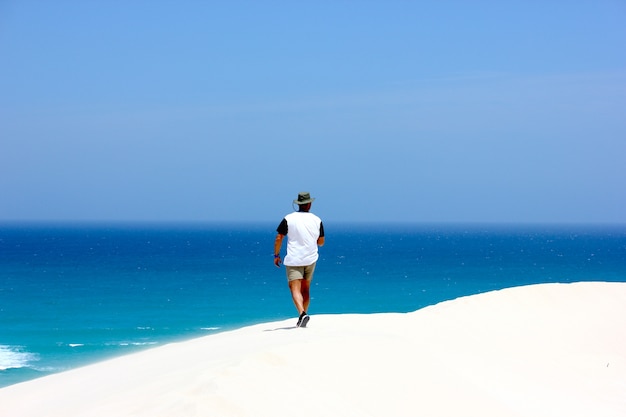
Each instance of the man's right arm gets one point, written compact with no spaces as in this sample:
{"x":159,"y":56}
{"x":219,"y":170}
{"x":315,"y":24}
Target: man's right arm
{"x":320,"y":240}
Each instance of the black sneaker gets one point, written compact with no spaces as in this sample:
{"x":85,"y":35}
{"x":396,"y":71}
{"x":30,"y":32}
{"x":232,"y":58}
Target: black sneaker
{"x":303,"y":319}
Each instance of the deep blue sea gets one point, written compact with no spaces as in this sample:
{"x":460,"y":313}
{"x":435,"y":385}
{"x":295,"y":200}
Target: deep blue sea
{"x":76,"y":294}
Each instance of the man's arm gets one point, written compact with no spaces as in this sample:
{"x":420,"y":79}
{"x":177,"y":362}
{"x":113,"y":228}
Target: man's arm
{"x":320,"y":240}
{"x":278,"y":243}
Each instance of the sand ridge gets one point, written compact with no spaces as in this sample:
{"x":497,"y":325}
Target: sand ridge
{"x":540,"y":350}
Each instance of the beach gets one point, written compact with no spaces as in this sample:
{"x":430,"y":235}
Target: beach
{"x":536,"y":350}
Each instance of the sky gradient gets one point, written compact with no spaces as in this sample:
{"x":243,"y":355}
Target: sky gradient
{"x":450,"y":111}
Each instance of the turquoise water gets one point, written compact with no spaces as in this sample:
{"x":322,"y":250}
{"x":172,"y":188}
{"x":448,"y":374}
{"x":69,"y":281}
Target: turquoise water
{"x":75,"y":294}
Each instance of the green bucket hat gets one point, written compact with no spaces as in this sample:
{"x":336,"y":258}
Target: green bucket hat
{"x":304,"y":198}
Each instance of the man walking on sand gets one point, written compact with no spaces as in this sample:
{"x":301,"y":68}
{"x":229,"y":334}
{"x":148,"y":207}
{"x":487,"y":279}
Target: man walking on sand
{"x":305,"y":232}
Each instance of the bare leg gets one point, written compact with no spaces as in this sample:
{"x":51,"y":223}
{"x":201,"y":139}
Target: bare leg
{"x":296,"y":294}
{"x":305,"y":291}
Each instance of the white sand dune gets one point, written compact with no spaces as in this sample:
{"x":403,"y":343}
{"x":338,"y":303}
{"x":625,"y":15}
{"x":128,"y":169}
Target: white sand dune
{"x":542,"y":350}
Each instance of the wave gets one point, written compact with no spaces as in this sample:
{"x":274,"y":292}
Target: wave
{"x":133,"y":343}
{"x":13,"y":357}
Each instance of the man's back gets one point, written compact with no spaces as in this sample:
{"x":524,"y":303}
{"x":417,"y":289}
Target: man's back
{"x":303,"y":231}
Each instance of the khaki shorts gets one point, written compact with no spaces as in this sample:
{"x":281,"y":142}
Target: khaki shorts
{"x":300,"y":272}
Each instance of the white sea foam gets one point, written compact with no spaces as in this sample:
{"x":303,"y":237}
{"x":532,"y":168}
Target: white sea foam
{"x":132,"y":343}
{"x":15,"y":357}
{"x":144,"y":343}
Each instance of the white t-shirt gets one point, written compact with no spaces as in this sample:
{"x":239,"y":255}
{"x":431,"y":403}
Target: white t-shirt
{"x":303,"y":230}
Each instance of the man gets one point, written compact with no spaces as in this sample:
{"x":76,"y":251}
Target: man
{"x":305,"y":233}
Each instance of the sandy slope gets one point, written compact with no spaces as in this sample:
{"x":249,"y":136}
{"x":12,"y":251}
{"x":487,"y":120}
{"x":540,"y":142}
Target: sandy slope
{"x":542,"y":350}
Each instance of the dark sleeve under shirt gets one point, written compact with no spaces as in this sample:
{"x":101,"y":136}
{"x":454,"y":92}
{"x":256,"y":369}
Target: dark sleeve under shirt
{"x":282,"y":227}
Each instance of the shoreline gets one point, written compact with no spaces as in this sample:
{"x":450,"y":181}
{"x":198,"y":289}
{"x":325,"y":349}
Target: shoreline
{"x":522,"y":351}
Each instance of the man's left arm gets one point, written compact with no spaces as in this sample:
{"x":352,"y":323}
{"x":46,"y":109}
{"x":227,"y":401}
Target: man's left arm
{"x":278,"y":243}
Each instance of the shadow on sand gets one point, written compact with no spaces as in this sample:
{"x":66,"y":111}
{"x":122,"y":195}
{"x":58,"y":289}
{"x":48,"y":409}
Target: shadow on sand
{"x":280,"y":328}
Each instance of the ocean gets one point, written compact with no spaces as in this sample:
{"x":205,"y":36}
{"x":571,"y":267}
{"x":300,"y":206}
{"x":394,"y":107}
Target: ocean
{"x":75,"y":294}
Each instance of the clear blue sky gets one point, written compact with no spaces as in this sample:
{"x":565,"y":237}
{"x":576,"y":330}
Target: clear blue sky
{"x":421,"y":111}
